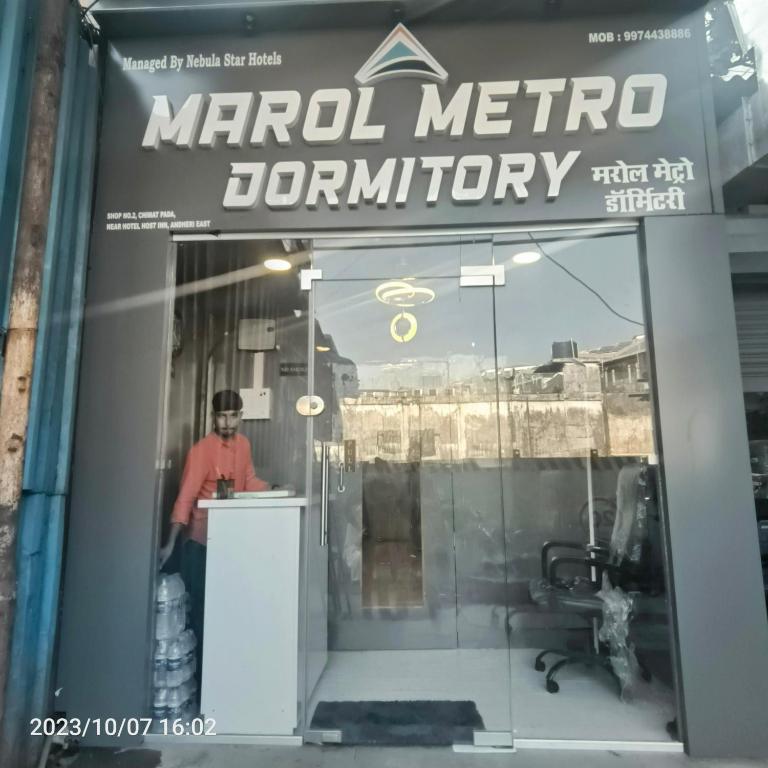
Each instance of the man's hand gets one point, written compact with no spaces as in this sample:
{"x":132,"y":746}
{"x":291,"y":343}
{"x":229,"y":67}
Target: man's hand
{"x":167,"y":550}
{"x":165,"y":553}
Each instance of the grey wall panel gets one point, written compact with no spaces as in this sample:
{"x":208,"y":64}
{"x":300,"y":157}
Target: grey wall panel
{"x":109,"y":569}
{"x":722,"y":627}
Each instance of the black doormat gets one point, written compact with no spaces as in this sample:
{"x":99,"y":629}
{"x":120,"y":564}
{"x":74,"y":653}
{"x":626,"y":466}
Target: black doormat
{"x":405,"y":723}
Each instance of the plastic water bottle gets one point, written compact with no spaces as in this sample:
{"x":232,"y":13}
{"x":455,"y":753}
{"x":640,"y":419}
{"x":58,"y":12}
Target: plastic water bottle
{"x":160,"y":677}
{"x":183,"y":603}
{"x":188,"y":688}
{"x":178,"y":676}
{"x":176,"y":592}
{"x":160,"y":703}
{"x":187,"y":672}
{"x":164,"y":623}
{"x":170,"y":610}
{"x":161,"y":654}
{"x":190,"y":644}
{"x":176,"y":654}
{"x":176,"y":702}
{"x":174,"y":657}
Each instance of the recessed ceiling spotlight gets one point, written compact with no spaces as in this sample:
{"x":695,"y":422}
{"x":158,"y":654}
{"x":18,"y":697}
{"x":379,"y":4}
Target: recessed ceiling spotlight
{"x":526,"y":257}
{"x":277,"y":265}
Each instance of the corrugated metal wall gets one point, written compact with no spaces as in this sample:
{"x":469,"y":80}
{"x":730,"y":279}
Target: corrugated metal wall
{"x":42,"y":515}
{"x":751,"y":303}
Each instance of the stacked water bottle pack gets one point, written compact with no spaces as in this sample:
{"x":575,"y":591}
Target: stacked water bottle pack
{"x":175,"y":659}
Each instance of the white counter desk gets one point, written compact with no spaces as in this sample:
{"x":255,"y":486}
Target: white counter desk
{"x":251,"y":629}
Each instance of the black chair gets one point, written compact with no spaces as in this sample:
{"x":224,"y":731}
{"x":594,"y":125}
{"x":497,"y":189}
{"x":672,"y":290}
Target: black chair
{"x":632,"y":560}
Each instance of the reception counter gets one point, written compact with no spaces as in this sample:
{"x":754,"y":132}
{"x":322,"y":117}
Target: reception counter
{"x":250,"y":653}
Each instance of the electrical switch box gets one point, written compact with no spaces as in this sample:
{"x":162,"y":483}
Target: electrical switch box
{"x":257,"y":403}
{"x":256,"y":334}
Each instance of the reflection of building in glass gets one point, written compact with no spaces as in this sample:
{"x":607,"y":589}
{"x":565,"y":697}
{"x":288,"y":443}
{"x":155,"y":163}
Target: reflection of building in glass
{"x":623,"y":366}
{"x":596,"y":399}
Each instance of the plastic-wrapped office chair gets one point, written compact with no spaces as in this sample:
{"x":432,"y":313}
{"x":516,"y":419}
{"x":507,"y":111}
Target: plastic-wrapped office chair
{"x":629,"y":560}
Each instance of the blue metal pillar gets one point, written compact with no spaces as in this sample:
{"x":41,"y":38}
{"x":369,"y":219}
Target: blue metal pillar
{"x":49,"y":438}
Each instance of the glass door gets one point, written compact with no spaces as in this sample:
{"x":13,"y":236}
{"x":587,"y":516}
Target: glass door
{"x":590,"y":659}
{"x":484,"y":431}
{"x":406,"y":546}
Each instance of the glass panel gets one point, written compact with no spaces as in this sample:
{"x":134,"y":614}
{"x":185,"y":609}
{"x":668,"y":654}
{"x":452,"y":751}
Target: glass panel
{"x":405,"y":363}
{"x":578,"y":458}
{"x":241,"y":328}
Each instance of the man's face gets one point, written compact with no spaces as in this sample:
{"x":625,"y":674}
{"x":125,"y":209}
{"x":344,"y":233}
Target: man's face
{"x":225,"y":423}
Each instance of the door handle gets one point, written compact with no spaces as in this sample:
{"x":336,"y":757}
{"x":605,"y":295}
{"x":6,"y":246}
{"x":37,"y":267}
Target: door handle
{"x":310,"y":405}
{"x":324,"y":495}
{"x":341,"y":487}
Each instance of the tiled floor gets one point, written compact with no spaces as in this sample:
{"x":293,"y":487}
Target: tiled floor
{"x":587,"y":707}
{"x":506,"y":689}
{"x":200,"y":756}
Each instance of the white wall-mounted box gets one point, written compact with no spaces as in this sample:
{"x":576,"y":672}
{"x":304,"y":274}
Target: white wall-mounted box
{"x":256,"y":334}
{"x":257,"y":403}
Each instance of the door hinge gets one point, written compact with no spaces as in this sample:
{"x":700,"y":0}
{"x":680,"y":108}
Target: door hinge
{"x":308,"y":276}
{"x":484,"y":275}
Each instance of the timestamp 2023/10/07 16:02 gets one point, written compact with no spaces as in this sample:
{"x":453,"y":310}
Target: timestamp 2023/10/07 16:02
{"x":78,"y":728}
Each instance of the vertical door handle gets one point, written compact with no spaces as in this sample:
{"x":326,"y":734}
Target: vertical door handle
{"x":341,"y":487}
{"x":324,"y":495}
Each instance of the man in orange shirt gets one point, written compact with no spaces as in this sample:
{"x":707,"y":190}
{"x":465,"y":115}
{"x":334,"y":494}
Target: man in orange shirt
{"x":221,"y":455}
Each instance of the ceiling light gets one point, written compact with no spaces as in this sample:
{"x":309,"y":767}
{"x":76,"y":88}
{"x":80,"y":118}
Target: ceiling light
{"x":403,"y":293}
{"x":277,"y":265}
{"x":526,"y":257}
{"x":321,"y":348}
{"x":403,"y":334}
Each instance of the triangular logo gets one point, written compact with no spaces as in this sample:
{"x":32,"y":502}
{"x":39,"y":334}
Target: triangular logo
{"x":400,"y":55}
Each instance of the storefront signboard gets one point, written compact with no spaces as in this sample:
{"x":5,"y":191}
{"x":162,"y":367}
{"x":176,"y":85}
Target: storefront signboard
{"x":425,"y":126}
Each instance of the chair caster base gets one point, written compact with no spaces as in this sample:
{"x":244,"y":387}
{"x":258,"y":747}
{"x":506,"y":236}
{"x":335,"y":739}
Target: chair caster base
{"x":552,"y":686}
{"x":539,"y":665}
{"x":672,"y":729}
